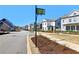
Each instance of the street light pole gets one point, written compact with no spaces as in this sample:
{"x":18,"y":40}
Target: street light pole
{"x":35,"y":26}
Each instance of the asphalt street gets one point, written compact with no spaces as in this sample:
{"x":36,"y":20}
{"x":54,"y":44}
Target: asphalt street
{"x":13,"y":43}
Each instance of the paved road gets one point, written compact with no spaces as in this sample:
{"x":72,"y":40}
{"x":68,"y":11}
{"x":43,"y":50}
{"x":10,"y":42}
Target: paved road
{"x":13,"y":43}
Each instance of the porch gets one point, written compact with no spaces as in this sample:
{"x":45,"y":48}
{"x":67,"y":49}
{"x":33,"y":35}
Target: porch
{"x":72,"y":27}
{"x":51,"y":28}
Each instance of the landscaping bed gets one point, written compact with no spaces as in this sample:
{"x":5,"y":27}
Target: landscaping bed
{"x":47,"y":46}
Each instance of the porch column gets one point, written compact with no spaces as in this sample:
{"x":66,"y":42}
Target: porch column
{"x":54,"y":29}
{"x":70,"y":28}
{"x":75,"y":28}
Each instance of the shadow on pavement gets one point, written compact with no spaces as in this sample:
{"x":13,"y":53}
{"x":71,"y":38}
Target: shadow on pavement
{"x":3,"y":33}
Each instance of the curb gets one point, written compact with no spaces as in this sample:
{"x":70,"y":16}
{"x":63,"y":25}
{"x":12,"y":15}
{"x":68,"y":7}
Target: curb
{"x":28,"y":46}
{"x":34,"y":49}
{"x":31,"y":48}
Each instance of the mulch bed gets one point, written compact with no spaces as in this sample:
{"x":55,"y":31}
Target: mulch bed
{"x":47,"y":46}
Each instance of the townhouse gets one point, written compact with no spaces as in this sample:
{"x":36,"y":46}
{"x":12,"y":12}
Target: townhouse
{"x":48,"y":25}
{"x":26,"y":27}
{"x":70,"y":22}
{"x":39,"y":26}
{"x":6,"y":25}
{"x":30,"y":27}
{"x":58,"y":24}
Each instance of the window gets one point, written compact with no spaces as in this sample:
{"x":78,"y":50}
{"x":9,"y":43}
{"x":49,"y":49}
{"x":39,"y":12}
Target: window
{"x":69,"y":20}
{"x":63,"y":21}
{"x":77,"y":27}
{"x":74,"y":13}
{"x":45,"y":23}
{"x":58,"y":23}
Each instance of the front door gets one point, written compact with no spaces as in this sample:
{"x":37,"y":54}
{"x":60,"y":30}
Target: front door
{"x":52,"y":28}
{"x":67,"y":27}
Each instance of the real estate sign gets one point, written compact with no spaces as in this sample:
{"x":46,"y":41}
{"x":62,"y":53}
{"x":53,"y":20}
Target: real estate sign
{"x":40,"y":11}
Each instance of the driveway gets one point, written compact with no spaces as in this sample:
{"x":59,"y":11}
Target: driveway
{"x":13,"y":43}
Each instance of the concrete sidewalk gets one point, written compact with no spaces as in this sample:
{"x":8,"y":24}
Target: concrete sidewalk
{"x":70,"y":45}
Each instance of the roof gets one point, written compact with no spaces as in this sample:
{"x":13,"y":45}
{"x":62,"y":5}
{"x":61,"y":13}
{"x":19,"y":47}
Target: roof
{"x":69,"y":14}
{"x":6,"y":22}
{"x":48,"y":20}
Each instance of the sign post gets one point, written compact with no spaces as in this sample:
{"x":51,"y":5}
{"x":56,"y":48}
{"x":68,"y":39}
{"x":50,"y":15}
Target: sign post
{"x":38,"y":11}
{"x":35,"y":26}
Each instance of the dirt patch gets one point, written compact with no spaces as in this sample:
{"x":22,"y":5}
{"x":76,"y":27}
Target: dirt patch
{"x":47,"y":46}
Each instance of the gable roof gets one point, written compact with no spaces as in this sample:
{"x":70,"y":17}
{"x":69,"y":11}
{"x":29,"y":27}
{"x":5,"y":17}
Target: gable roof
{"x":71,"y":14}
{"x":8,"y":23}
{"x":48,"y":20}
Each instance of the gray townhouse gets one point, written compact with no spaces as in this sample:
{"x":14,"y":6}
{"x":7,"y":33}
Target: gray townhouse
{"x":58,"y":24}
{"x":6,"y":25}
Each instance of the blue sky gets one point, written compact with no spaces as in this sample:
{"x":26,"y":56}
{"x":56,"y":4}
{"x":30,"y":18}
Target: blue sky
{"x":21,"y":15}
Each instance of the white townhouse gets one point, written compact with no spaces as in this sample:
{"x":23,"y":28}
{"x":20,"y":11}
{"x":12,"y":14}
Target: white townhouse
{"x":48,"y":25}
{"x":70,"y":21}
{"x":28,"y":26}
{"x":31,"y":27}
